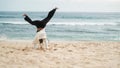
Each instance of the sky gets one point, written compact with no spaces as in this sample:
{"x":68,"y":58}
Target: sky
{"x":63,"y":5}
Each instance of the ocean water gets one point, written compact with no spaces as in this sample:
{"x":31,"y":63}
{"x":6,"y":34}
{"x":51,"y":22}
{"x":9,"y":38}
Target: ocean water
{"x":69,"y":26}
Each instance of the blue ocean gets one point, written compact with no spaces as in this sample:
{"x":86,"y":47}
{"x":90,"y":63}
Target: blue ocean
{"x":68,"y":26}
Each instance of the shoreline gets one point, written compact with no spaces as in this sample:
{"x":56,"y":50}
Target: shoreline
{"x":62,"y":54}
{"x":22,"y":40}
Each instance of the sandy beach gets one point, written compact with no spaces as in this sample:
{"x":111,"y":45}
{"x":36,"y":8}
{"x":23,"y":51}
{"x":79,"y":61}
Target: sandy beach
{"x":67,"y":54}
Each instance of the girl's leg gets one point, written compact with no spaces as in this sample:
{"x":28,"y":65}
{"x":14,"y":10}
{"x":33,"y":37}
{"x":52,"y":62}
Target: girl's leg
{"x":50,"y":15}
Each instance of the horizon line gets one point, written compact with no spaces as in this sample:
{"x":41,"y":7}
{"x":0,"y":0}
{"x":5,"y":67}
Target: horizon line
{"x":69,"y":11}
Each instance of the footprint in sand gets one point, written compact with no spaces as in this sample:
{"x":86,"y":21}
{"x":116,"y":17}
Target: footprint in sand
{"x":70,"y":51}
{"x":55,"y":49}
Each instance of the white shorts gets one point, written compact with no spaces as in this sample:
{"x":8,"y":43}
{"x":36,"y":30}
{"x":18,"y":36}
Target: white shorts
{"x":39,"y":35}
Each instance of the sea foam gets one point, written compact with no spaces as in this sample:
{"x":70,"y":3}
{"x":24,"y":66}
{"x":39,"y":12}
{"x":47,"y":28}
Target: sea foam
{"x":64,"y":23}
